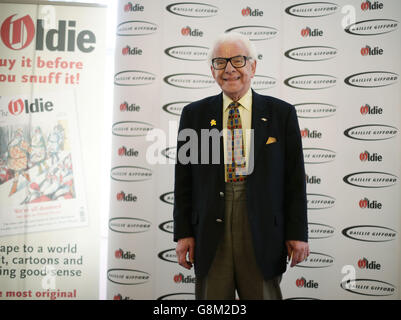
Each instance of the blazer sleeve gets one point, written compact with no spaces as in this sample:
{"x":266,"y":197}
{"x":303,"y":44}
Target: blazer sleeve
{"x":296,"y":221}
{"x":183,"y":184}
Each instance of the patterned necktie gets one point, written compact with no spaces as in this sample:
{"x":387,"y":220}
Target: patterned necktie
{"x":236,"y":170}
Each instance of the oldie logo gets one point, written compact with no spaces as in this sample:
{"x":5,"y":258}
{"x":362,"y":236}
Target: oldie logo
{"x":134,"y":78}
{"x":308,"y":32}
{"x":167,"y":226}
{"x":317,"y":260}
{"x":368,"y":51}
{"x":127,"y":276}
{"x":368,"y":233}
{"x":317,"y":155}
{"x":124,"y":197}
{"x":368,"y":265}
{"x":181,"y":278}
{"x":189,"y":80}
{"x":128,"y":51}
{"x":319,"y":201}
{"x":314,"y":110}
{"x":320,"y":231}
{"x":369,"y":287}
{"x":123,"y":151}
{"x":193,"y":9}
{"x":124,"y":255}
{"x":372,"y":79}
{"x":129,"y":7}
{"x":175,"y":108}
{"x":168,"y":255}
{"x":256,"y":33}
{"x":248,"y":12}
{"x":18,"y":33}
{"x":372,"y":27}
{"x":136,"y":28}
{"x":16,"y":107}
{"x":371,"y":132}
{"x":263,"y":82}
{"x":367,"y":109}
{"x":189,"y":53}
{"x":310,"y":134}
{"x":131,"y":174}
{"x":188,"y":31}
{"x":365,"y":203}
{"x":129,"y":225}
{"x":131,"y":128}
{"x":168,"y":197}
{"x":133,"y":107}
{"x":311,"y":53}
{"x":311,"y":81}
{"x":309,"y":284}
{"x":367,"y":5}
{"x":312,"y":9}
{"x":370,"y":157}
{"x":312,"y":179}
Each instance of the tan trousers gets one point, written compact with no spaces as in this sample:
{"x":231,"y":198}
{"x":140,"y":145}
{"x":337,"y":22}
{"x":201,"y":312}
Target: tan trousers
{"x":234,"y":267}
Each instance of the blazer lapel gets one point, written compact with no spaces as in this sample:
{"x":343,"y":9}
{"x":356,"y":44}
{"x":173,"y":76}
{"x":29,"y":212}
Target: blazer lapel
{"x":261,"y":124}
{"x":216,"y":113}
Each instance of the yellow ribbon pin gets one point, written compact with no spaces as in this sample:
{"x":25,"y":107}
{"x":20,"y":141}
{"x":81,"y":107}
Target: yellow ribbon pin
{"x":213,"y":122}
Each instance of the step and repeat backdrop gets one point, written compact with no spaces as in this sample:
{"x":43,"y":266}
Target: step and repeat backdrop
{"x":337,"y":62}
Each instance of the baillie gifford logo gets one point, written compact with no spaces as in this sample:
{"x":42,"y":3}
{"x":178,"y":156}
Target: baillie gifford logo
{"x":18,"y":33}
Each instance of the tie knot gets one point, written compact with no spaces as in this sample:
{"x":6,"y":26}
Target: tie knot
{"x":233,"y":105}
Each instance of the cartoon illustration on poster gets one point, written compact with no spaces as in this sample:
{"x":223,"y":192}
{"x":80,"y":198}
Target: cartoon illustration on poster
{"x":40,"y":165}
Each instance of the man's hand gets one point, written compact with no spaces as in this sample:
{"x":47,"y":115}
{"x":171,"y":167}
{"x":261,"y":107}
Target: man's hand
{"x":297,"y":251}
{"x":184,"y":246}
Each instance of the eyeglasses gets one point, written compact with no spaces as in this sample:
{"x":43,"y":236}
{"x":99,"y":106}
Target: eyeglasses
{"x":236,"y":62}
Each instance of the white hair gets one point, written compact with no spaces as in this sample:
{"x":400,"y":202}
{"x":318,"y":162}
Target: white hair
{"x":233,"y":37}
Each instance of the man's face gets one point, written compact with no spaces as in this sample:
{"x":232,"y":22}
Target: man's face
{"x":234,"y":82}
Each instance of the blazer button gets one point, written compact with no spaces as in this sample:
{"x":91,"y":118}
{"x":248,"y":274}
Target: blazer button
{"x":221,"y":194}
{"x":219,"y":220}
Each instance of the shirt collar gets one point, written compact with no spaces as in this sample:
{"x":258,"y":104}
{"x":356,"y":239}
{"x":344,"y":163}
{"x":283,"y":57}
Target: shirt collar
{"x":245,"y":101}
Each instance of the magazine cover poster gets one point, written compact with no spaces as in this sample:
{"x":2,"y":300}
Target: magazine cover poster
{"x":41,"y":183}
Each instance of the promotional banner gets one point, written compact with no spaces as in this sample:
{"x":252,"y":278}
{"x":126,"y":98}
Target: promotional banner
{"x":337,"y":62}
{"x":50,"y":149}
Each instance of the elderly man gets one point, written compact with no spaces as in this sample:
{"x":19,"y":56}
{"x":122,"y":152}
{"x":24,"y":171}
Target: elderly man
{"x":240,"y":219}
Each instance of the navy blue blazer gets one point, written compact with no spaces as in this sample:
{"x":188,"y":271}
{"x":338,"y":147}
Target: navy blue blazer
{"x":276,"y":188}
